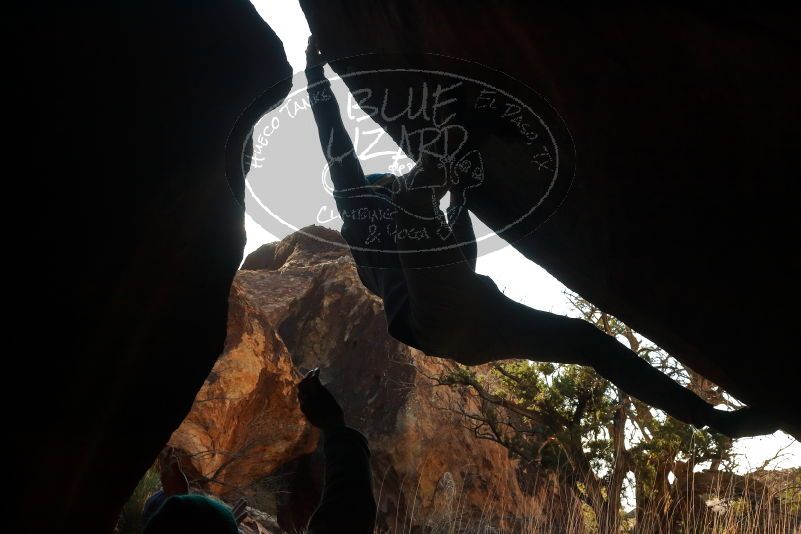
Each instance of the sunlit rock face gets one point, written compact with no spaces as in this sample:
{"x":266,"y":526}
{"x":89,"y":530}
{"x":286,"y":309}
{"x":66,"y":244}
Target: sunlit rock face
{"x":681,"y":219}
{"x":246,"y":420}
{"x":298,"y":304}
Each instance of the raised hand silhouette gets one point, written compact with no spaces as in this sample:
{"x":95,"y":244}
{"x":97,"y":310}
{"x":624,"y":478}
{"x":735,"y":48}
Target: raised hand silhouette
{"x":317,"y":404}
{"x":313,"y":54}
{"x":347,"y":503}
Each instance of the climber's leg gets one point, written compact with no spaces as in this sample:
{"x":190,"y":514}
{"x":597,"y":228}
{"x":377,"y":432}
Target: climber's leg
{"x":365,"y":228}
{"x":367,"y":239}
{"x":457,"y":313}
{"x":445,"y":294}
{"x":544,"y":336}
{"x":462,"y":227}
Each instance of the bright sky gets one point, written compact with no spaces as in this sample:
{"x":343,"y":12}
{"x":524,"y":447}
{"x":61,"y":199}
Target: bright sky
{"x":515,"y":275}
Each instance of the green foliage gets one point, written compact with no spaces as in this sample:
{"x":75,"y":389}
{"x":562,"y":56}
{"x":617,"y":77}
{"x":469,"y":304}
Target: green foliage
{"x":571,"y":421}
{"x":790,"y":494}
{"x":130,"y":520}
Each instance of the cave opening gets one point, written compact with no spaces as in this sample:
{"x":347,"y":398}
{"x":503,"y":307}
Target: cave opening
{"x":645,"y":168}
{"x":309,"y":199}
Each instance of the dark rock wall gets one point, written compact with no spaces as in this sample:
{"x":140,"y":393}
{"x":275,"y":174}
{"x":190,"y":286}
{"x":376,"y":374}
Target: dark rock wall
{"x":131,"y":106}
{"x":682,"y":219}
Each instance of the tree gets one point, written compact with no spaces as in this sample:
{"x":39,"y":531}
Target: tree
{"x":572,"y":422}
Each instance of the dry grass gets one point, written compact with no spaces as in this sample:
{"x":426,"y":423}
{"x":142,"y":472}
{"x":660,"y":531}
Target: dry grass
{"x":760,"y":503}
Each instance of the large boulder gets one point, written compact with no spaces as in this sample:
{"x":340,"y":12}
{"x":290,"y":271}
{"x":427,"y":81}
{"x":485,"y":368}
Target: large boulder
{"x":298,"y":304}
{"x":682,"y":218}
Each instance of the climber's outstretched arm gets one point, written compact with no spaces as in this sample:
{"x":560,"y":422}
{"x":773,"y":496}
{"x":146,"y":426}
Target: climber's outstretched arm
{"x":346,"y":171}
{"x":457,"y":313}
{"x":379,"y":272}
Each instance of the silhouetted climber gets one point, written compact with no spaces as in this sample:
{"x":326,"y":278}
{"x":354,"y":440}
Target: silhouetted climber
{"x":173,"y":509}
{"x":347,"y":503}
{"x":436,"y":302}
